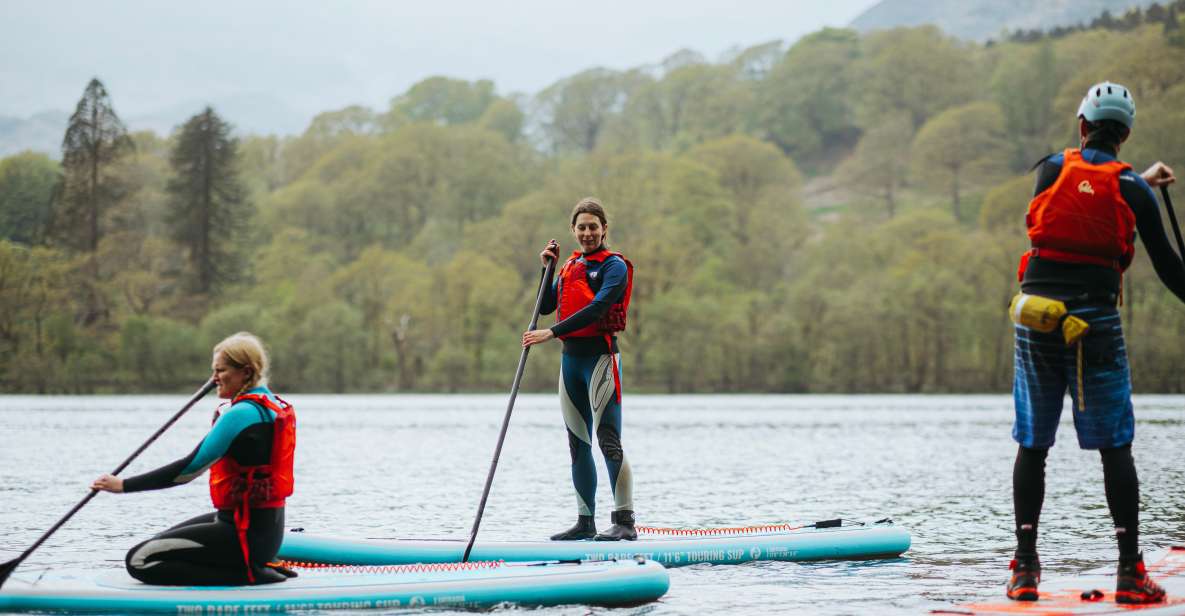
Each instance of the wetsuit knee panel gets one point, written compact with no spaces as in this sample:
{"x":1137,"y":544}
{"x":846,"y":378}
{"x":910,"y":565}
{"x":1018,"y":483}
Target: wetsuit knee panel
{"x":575,"y":445}
{"x":610,"y":442}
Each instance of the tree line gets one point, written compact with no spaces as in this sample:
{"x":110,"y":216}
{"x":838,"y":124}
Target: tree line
{"x":1167,"y":16}
{"x":841,"y":215}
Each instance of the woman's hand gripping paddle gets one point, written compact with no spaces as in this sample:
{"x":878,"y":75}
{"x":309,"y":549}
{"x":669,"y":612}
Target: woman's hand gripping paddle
{"x":7,"y":568}
{"x":518,"y":377}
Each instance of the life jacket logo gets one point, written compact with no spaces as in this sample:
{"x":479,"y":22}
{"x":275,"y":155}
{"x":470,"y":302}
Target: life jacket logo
{"x":1085,"y":187}
{"x":593,"y":275}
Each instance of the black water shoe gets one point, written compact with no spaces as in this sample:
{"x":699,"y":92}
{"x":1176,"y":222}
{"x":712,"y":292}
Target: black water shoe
{"x":267,"y":575}
{"x":283,"y":570}
{"x":622,"y":529}
{"x":585,"y":529}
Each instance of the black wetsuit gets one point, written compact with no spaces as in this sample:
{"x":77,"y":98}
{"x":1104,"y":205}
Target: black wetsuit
{"x":204,"y":550}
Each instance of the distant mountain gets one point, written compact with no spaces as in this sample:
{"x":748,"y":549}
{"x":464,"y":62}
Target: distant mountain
{"x":259,"y":114}
{"x":980,"y":20}
{"x":42,"y":132}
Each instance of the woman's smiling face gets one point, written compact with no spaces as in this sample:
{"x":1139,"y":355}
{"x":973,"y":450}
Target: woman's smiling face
{"x":589,"y":232}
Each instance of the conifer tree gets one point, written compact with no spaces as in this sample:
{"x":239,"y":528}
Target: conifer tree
{"x":209,"y":212}
{"x":95,"y":139}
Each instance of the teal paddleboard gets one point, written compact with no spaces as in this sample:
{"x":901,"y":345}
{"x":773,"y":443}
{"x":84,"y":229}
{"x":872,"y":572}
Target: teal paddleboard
{"x":670,"y":547}
{"x":469,"y":585}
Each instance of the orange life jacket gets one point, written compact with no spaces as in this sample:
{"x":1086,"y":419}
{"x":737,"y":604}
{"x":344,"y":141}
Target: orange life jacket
{"x":575,"y":293}
{"x":1082,"y":217}
{"x":265,"y":486}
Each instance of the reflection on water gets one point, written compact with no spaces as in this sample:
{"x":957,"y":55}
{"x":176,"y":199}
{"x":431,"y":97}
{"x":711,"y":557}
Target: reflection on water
{"x":413,"y":466}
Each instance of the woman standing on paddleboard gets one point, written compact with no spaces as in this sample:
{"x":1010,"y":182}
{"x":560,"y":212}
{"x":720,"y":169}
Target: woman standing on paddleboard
{"x":249,"y":451}
{"x":1082,"y":222}
{"x":592,"y":296}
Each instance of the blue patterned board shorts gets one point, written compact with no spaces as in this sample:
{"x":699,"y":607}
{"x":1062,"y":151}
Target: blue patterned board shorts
{"x":1046,"y":368}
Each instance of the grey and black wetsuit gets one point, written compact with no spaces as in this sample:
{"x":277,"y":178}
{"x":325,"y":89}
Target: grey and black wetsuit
{"x":587,"y":391}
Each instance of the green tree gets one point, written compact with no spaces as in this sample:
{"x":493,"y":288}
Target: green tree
{"x":95,"y":139}
{"x":444,"y":100}
{"x":412,"y":325}
{"x":504,"y":117}
{"x":33,"y":284}
{"x":918,"y":70}
{"x":352,"y":120}
{"x":765,"y":217}
{"x":959,"y":149}
{"x":1025,"y":84}
{"x":387,"y":289}
{"x":326,"y":132}
{"x":262,"y":164}
{"x":575,"y":111}
{"x":756,"y":62}
{"x":27,"y":182}
{"x":329,"y":355}
{"x":1005,"y":206}
{"x":689,"y":105}
{"x":210,"y":213}
{"x":806,"y":102}
{"x":879,"y":165}
{"x":480,"y":301}
{"x":160,"y":354}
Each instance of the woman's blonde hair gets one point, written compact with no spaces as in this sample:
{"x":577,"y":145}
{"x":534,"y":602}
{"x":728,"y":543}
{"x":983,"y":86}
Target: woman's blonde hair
{"x":245,"y":350}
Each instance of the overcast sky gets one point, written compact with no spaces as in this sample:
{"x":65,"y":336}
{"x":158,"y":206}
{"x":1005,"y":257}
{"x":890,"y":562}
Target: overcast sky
{"x":317,"y":56}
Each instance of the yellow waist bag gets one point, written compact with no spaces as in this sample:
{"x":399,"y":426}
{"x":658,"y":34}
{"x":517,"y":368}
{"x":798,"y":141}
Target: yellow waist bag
{"x":1046,"y":315}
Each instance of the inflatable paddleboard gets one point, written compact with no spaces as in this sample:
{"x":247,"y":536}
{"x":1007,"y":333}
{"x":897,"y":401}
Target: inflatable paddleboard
{"x":670,"y":547}
{"x":457,"y":585}
{"x":1092,"y":593}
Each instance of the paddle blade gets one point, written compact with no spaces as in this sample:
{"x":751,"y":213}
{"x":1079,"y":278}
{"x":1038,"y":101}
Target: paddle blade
{"x":7,"y":568}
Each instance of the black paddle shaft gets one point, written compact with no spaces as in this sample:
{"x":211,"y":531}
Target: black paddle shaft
{"x":518,"y":377}
{"x":7,"y":568}
{"x":1168,"y":205}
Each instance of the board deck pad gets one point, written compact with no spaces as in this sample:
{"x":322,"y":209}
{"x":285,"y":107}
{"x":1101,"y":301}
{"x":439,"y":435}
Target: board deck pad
{"x":1063,"y":596}
{"x":669,"y":547}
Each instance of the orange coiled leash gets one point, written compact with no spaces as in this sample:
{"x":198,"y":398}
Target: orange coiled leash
{"x":414,"y":568}
{"x":737,"y":530}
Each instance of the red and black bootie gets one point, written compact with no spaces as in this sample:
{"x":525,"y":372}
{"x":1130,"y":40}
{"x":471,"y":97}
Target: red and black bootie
{"x":1026,"y":575}
{"x":1133,"y":585}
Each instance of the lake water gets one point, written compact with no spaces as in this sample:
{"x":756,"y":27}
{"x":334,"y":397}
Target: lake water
{"x":413,"y":466}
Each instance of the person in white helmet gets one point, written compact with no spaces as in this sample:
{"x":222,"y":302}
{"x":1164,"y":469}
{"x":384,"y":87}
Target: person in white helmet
{"x":1087,"y":211}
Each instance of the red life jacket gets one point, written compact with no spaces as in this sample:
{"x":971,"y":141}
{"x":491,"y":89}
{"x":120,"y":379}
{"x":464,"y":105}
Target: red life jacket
{"x":265,"y":486}
{"x":1082,"y":217}
{"x":575,"y":293}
